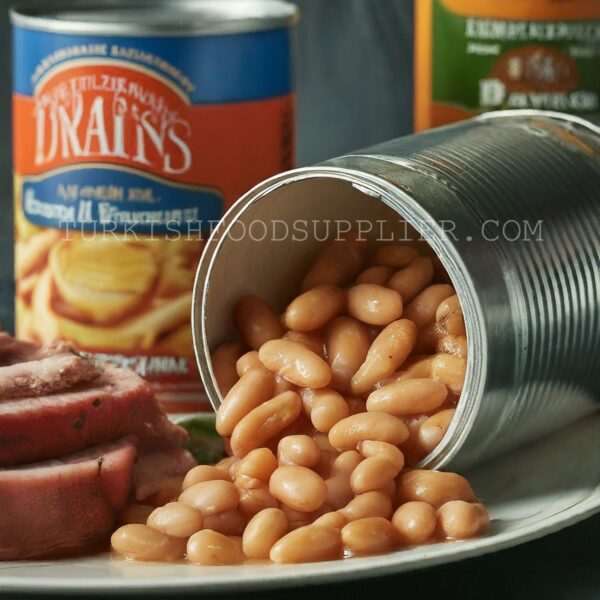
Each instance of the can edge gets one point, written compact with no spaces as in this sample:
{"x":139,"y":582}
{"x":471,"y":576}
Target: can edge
{"x":19,"y":18}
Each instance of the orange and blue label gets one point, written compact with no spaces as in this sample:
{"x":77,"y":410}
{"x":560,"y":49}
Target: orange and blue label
{"x":210,"y":111}
{"x":147,"y":136}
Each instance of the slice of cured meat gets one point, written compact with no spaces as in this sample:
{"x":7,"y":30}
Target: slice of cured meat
{"x":62,"y":504}
{"x":46,"y":375}
{"x":153,"y":469}
{"x":116,"y":403}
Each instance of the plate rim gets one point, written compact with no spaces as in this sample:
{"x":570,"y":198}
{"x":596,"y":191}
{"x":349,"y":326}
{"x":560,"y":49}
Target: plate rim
{"x":351,"y":569}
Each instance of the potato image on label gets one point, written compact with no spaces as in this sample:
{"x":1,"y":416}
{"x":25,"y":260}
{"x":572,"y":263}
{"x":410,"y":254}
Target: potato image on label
{"x":103,"y":279}
{"x":140,"y":332}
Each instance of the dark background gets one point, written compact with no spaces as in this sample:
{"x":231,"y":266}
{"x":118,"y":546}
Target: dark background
{"x":354,"y":83}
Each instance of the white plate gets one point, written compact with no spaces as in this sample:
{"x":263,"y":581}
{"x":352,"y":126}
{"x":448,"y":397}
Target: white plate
{"x":530,"y":493}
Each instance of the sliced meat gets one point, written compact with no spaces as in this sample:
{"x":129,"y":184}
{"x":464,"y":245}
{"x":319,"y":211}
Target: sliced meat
{"x":159,"y":432}
{"x":46,"y":375}
{"x":117,"y":403}
{"x":153,"y":469}
{"x":71,"y":503}
{"x":13,"y":351}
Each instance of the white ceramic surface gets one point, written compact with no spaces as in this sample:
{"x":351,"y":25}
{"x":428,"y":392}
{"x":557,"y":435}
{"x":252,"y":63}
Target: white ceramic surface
{"x":534,"y":491}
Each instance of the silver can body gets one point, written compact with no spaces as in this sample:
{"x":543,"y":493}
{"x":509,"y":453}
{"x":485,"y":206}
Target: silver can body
{"x":510,"y":203}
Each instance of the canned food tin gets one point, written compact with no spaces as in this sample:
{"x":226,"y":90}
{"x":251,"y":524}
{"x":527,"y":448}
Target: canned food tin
{"x":510,"y":203}
{"x":135,"y":127}
{"x":473,"y":56}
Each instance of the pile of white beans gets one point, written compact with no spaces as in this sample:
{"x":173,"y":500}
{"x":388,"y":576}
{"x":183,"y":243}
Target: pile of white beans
{"x":323,"y":409}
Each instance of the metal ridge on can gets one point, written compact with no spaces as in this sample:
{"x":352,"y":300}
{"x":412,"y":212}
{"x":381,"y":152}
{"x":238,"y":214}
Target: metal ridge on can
{"x":532,"y":306}
{"x":157,"y":17}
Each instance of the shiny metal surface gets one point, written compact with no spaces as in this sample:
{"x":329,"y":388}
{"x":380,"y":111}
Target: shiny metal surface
{"x":157,"y":17}
{"x":532,"y":306}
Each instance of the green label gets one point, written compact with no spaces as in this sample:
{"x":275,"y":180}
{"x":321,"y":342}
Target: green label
{"x":488,"y":64}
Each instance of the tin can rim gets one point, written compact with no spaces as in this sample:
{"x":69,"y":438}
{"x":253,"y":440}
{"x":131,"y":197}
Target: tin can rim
{"x":548,"y":114}
{"x":157,"y":18}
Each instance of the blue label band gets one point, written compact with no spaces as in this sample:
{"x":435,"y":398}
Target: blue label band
{"x":209,"y":69}
{"x":131,"y":203}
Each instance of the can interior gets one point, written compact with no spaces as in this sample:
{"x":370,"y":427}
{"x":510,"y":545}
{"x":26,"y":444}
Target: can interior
{"x":242,"y":257}
{"x":273,"y":268}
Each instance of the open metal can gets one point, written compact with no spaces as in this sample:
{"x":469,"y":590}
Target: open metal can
{"x":509,"y":202}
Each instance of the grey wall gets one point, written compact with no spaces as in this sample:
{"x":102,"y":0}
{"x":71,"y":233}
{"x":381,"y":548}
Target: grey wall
{"x":354,"y":75}
{"x":354,"y":71}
